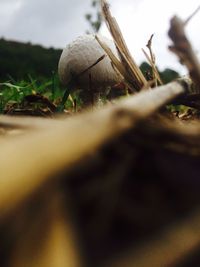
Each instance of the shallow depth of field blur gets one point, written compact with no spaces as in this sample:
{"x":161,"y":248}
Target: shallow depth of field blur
{"x":130,"y":196}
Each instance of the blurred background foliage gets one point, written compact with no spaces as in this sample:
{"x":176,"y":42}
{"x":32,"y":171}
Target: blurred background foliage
{"x":94,"y":18}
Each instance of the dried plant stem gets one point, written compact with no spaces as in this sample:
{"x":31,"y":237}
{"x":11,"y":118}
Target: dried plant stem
{"x":183,"y":49}
{"x":115,"y":61}
{"x":152,"y":61}
{"x":155,"y":71}
{"x":46,"y":240}
{"x":134,"y":75}
{"x":191,"y":16}
{"x":69,"y":142}
{"x":169,"y":248}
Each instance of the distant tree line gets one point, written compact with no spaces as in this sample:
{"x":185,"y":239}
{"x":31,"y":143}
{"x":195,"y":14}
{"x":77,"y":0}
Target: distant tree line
{"x":20,"y":60}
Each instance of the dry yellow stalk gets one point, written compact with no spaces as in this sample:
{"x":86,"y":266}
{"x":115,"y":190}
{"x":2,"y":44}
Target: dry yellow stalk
{"x":134,"y":75}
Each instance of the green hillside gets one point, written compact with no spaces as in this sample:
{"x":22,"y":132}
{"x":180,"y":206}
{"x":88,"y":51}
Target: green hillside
{"x":20,"y":60}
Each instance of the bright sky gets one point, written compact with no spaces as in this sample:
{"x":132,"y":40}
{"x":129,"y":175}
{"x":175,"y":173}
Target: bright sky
{"x":138,"y":19}
{"x":57,"y":22}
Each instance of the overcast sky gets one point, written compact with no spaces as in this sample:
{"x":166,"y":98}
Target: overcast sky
{"x":57,"y":22}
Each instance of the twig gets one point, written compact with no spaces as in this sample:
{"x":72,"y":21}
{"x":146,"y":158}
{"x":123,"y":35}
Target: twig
{"x":90,"y":67}
{"x":155,"y":71}
{"x":191,"y":16}
{"x":152,"y":60}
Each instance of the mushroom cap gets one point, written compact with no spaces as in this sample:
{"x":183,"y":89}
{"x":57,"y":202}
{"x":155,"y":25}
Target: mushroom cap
{"x":81,"y":54}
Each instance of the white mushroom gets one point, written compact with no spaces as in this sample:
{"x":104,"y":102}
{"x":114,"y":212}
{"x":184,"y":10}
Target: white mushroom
{"x":80,"y":55}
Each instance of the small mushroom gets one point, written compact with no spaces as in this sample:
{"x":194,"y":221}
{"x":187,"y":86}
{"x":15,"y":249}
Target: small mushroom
{"x":81,"y":67}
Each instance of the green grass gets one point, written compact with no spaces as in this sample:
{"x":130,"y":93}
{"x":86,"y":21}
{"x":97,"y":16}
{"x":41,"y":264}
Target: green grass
{"x":43,"y":97}
{"x":14,"y":94}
